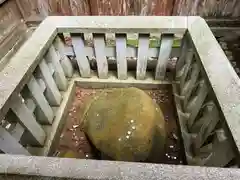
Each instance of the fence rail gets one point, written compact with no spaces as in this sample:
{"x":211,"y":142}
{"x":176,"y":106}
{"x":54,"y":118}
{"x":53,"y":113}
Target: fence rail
{"x":36,"y":85}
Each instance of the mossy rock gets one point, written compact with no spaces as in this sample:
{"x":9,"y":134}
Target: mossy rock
{"x":123,"y":123}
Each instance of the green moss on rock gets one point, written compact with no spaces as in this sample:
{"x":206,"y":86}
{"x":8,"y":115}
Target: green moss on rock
{"x":124,"y":124}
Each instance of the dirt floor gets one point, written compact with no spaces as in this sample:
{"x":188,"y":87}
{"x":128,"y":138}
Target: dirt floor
{"x":74,"y":143}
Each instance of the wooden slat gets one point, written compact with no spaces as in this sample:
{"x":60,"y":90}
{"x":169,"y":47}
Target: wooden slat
{"x":204,"y":126}
{"x":81,"y":56}
{"x":121,"y":54}
{"x":99,"y":47}
{"x":51,"y":68}
{"x":17,"y":131}
{"x":195,"y":104}
{"x":164,"y":54}
{"x":58,"y":75}
{"x":9,"y":145}
{"x":46,"y":114}
{"x":52,"y":93}
{"x":30,"y":104}
{"x":131,"y":51}
{"x":185,"y":70}
{"x":222,"y":152}
{"x":28,"y":121}
{"x":143,"y":46}
{"x":188,"y":87}
{"x":41,"y":84}
{"x":65,"y":62}
{"x":185,"y":47}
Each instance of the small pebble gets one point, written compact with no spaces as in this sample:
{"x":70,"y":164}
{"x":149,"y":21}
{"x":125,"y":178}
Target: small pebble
{"x":234,"y":64}
{"x":167,"y":155}
{"x":82,"y":138}
{"x":75,"y":126}
{"x":175,"y":136}
{"x":132,"y":121}
{"x":119,"y":139}
{"x":171,"y":146}
{"x":97,"y":114}
{"x":129,"y":132}
{"x":56,"y":153}
{"x":230,"y":58}
{"x":127,"y":137}
{"x":133,"y":127}
{"x":8,"y":126}
{"x":87,"y":155}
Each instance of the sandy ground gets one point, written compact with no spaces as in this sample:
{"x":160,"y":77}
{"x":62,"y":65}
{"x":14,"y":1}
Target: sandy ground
{"x":74,"y":143}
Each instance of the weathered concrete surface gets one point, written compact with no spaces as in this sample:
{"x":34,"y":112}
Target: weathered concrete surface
{"x":14,"y":76}
{"x":92,"y":169}
{"x":53,"y":131}
{"x":120,"y":24}
{"x":226,"y":88}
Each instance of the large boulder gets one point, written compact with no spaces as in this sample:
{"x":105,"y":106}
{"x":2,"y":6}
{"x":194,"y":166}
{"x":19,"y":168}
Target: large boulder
{"x":124,"y":124}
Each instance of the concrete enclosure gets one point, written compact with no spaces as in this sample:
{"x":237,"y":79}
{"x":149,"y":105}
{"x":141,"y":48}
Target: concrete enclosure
{"x":37,"y":85}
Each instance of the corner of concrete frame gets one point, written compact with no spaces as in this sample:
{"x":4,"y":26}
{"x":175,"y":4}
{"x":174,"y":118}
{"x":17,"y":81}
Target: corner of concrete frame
{"x":211,"y":57}
{"x":220,"y":73}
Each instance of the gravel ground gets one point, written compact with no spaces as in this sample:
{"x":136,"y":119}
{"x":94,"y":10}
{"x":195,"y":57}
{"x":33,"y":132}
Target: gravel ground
{"x":74,"y":143}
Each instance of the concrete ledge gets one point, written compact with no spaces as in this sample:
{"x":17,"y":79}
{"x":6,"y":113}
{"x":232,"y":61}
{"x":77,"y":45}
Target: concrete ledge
{"x":113,"y":82}
{"x":120,"y":24}
{"x":94,"y":169}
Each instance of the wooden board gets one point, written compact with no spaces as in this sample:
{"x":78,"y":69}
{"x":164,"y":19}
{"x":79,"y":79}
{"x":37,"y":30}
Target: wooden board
{"x":11,"y":27}
{"x":207,"y":8}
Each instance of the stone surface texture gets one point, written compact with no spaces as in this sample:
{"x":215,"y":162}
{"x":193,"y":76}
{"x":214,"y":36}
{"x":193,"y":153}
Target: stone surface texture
{"x":125,"y":124}
{"x":62,"y":168}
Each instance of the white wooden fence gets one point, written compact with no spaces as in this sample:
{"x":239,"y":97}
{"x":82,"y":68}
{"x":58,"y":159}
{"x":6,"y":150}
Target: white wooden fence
{"x":37,"y":84}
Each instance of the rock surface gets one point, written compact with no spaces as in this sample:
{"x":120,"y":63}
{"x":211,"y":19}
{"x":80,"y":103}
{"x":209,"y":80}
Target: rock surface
{"x":125,"y":124}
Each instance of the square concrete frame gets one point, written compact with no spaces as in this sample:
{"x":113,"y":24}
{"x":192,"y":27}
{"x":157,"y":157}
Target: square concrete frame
{"x":222,"y":78}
